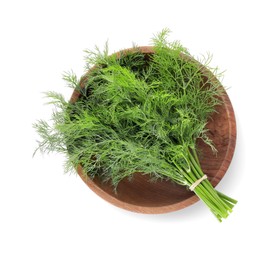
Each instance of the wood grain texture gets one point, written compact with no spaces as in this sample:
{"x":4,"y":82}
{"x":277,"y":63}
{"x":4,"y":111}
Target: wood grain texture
{"x":141,"y":195}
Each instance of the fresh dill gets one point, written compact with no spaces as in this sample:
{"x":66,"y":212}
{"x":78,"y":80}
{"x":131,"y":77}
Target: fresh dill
{"x":138,"y":114}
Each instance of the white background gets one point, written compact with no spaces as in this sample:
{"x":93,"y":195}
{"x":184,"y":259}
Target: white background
{"x":48,"y":215}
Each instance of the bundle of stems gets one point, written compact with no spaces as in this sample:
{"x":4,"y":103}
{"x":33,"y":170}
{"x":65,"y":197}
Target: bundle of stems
{"x":139,"y":113}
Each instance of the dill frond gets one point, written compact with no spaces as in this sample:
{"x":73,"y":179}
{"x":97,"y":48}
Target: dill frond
{"x":138,"y":114}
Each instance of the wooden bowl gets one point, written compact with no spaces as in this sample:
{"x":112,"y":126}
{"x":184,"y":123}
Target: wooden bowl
{"x":141,"y":195}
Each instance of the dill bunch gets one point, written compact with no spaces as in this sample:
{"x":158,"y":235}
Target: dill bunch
{"x":138,"y":113}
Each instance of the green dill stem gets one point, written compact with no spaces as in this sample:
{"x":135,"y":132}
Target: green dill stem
{"x":196,"y":156}
{"x":202,"y":192}
{"x":214,"y":200}
{"x":212,"y":193}
{"x":189,"y":178}
{"x":206,"y":183}
{"x":207,"y":194}
{"x":199,"y":173}
{"x":230,"y":205}
{"x":227,"y":198}
{"x":224,"y":203}
{"x":206,"y":198}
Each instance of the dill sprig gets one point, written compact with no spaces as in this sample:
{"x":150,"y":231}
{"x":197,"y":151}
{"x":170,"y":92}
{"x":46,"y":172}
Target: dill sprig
{"x":138,"y":114}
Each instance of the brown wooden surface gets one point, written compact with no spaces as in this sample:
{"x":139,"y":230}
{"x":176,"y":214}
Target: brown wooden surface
{"x":141,"y":195}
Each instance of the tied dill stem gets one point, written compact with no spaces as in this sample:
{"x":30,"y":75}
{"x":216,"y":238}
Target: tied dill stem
{"x":138,"y":114}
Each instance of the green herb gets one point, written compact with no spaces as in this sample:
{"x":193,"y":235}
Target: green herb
{"x":138,"y":114}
